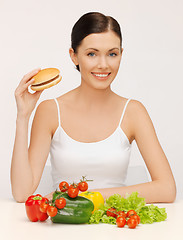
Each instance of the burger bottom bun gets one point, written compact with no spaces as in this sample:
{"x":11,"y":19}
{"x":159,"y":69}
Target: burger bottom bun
{"x":46,"y":85}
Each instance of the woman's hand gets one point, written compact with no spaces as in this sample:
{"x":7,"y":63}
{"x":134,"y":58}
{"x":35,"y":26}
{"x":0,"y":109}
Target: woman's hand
{"x":25,"y":100}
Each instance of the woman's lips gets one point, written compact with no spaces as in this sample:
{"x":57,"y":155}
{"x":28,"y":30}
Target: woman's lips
{"x":101,"y":76}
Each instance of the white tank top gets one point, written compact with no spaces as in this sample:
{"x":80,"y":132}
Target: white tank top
{"x":105,"y":162}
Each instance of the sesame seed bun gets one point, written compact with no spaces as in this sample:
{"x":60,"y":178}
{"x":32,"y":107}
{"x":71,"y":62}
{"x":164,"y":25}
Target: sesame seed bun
{"x":46,"y":78}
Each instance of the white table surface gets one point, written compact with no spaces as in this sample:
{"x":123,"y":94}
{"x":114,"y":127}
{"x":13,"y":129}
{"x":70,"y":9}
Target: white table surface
{"x":14,"y":224}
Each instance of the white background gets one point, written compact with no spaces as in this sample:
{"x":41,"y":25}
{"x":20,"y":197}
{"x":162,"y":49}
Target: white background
{"x":36,"y":33}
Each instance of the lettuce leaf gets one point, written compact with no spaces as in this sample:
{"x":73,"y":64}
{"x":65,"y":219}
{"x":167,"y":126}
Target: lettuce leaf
{"x":151,"y":213}
{"x":148,"y":214}
{"x":100,"y":216}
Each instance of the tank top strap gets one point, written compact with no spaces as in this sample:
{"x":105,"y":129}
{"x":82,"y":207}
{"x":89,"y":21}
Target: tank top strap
{"x":124,"y":111}
{"x":58,"y":109}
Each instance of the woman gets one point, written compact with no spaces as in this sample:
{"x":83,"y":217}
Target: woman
{"x":89,"y":130}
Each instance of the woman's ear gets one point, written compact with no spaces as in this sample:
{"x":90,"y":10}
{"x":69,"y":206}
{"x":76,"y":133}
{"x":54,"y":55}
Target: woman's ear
{"x":73,"y":56}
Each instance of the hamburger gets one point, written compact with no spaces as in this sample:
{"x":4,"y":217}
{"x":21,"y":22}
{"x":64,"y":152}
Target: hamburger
{"x":46,"y":78}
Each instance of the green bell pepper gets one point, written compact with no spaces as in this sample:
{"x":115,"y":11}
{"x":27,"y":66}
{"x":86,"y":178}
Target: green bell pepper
{"x":77,"y":210}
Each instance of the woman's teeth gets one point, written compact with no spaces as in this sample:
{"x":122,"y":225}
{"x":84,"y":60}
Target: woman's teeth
{"x":101,"y":75}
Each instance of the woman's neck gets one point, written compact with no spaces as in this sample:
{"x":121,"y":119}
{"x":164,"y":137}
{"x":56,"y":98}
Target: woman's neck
{"x":92,"y":98}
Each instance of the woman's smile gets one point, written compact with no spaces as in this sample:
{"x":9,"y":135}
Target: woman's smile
{"x":101,"y":75}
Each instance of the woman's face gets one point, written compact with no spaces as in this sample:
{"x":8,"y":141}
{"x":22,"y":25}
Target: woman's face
{"x":98,"y":57}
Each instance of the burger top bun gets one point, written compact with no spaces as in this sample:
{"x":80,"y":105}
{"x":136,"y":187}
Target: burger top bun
{"x":46,"y":78}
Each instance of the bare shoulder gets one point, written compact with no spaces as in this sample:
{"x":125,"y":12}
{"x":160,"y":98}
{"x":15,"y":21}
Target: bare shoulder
{"x":46,"y":108}
{"x":136,"y":108}
{"x":136,"y":116}
{"x":46,"y":115}
{"x":139,"y":117}
{"x":137,"y":112}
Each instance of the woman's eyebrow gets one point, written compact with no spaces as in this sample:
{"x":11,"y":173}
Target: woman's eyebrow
{"x":116,"y":48}
{"x":92,"y":49}
{"x":112,"y":49}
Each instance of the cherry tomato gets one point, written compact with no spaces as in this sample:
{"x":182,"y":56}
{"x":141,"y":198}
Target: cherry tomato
{"x":120,"y":221}
{"x":73,"y":191}
{"x":135,"y":216}
{"x":83,"y":186}
{"x":131,"y":212}
{"x":60,"y":203}
{"x":52,"y":211}
{"x":63,"y":186}
{"x":132,"y":223}
{"x":111,"y":212}
{"x":43,"y":207}
{"x":121,"y":214}
{"x":45,"y":199}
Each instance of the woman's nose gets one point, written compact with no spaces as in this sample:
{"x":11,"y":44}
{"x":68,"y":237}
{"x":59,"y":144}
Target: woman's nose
{"x":102,"y":63}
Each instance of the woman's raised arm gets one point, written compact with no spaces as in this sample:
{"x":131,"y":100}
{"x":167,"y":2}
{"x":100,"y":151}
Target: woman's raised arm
{"x":28,"y":162}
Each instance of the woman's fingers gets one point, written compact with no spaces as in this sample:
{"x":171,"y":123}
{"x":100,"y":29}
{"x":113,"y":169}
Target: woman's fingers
{"x":26,"y":81}
{"x":27,"y":84}
{"x":25,"y":100}
{"x":27,"y":77}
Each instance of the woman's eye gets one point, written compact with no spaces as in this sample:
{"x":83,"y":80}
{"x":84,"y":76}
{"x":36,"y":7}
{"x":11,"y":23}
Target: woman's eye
{"x":91,"y":54}
{"x":112,"y":54}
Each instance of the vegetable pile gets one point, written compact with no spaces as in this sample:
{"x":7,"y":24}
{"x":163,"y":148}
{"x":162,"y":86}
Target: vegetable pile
{"x":147,"y":213}
{"x":65,"y":207}
{"x":70,"y":206}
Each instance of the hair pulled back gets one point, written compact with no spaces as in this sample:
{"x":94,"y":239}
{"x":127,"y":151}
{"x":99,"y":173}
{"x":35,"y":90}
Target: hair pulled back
{"x":93,"y":22}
